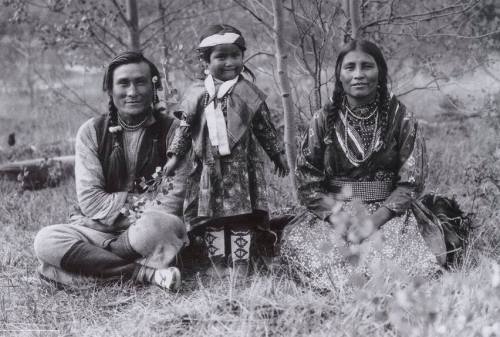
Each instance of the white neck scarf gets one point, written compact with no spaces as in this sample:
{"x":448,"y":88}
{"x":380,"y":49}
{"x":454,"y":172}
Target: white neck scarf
{"x":216,"y":123}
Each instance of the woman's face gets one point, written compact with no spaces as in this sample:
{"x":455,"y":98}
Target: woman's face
{"x":226,"y":62}
{"x":359,"y":77}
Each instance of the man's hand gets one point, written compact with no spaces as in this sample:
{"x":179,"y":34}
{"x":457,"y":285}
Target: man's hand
{"x":122,"y":222}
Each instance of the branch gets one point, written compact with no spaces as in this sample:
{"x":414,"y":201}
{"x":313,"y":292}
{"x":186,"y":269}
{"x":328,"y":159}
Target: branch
{"x":270,"y":12}
{"x":120,"y":12}
{"x":430,"y":15}
{"x":104,"y":46}
{"x":294,"y":12}
{"x":106,"y":31}
{"x":424,"y":87}
{"x":257,"y":54}
{"x":463,"y":36}
{"x":488,"y":72}
{"x":170,"y":13}
{"x":152,"y":36}
{"x":442,"y":35}
{"x":78,"y":97}
{"x":252,"y":13}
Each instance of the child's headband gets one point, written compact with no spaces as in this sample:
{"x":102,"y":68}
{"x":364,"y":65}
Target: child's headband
{"x":217,"y":39}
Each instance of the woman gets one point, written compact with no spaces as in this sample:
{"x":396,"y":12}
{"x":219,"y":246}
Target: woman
{"x":364,"y":148}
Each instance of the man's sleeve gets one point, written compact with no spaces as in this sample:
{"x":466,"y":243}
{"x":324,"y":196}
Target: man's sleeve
{"x":94,"y":201}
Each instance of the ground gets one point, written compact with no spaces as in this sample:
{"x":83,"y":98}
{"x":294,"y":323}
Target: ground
{"x":464,"y":162}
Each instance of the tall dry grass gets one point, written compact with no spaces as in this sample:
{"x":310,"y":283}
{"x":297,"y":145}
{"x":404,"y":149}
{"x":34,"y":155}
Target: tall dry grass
{"x":464,"y":161}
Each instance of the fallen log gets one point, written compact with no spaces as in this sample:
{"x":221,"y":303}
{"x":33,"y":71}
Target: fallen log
{"x":40,"y":172}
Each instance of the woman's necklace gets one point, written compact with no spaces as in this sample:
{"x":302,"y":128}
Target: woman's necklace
{"x":134,"y":127}
{"x":370,"y":115}
{"x":351,"y":156}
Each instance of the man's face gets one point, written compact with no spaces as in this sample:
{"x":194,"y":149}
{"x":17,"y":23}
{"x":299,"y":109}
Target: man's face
{"x":132,"y":89}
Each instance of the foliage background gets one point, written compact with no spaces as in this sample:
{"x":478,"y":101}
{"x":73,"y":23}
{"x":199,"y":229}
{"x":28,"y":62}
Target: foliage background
{"x":446,"y":70}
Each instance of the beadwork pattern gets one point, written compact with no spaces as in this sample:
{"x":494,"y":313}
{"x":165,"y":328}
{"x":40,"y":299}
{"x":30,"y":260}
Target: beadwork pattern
{"x":321,"y":257}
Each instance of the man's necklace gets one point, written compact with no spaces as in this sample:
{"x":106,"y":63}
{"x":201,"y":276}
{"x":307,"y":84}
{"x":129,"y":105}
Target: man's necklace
{"x":134,"y":127}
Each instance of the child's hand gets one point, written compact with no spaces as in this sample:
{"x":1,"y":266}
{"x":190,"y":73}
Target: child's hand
{"x":281,"y":166}
{"x":170,"y":166}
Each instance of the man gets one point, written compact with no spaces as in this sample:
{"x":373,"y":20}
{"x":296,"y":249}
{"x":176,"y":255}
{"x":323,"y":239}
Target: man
{"x":114,"y":155}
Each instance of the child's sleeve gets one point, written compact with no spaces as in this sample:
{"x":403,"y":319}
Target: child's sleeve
{"x":181,"y":143}
{"x":185,"y":112}
{"x":266,"y":133}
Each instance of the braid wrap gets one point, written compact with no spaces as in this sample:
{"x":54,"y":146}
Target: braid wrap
{"x":116,"y":174}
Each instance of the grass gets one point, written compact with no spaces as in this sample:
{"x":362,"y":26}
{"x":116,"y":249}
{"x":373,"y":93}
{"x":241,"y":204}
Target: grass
{"x":464,"y":162}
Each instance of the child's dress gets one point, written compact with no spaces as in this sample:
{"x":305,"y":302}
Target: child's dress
{"x":230,"y":189}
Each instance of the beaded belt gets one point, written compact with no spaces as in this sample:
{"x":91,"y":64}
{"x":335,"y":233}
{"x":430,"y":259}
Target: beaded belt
{"x":367,"y":191}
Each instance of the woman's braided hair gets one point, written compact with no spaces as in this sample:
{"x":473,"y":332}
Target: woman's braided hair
{"x":204,"y":53}
{"x":332,"y":109}
{"x":117,"y":172}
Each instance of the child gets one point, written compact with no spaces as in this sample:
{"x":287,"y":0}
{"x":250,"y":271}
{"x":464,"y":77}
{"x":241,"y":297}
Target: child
{"x":222,"y":120}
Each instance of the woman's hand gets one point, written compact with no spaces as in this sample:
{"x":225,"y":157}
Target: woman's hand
{"x":364,"y":228}
{"x":380,"y":217}
{"x":357,"y":229}
{"x":281,"y":166}
{"x":354,"y":229}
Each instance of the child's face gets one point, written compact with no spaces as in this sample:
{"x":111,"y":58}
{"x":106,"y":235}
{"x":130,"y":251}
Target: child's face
{"x":226,"y":62}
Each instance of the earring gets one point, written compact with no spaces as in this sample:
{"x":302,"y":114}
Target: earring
{"x":155,"y":90}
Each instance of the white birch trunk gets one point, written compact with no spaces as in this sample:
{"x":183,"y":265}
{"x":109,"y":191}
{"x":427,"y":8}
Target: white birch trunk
{"x":286,"y":98}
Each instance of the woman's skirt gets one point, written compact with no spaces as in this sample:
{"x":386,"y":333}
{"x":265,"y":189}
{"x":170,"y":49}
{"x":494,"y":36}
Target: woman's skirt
{"x":320,"y":256}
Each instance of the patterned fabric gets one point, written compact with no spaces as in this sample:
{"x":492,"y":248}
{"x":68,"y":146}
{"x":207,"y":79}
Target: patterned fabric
{"x":215,"y":242}
{"x":367,"y":191}
{"x":240,"y":246}
{"x":322,"y":258}
{"x":232,"y":185}
{"x":319,"y":253}
{"x":400,"y":159}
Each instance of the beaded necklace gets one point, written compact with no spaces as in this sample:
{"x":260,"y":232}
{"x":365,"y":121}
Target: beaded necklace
{"x":134,"y":127}
{"x":370,"y":115}
{"x":374,"y":137}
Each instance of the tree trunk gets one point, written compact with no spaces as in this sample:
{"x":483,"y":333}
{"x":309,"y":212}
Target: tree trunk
{"x":355,"y":15}
{"x":346,"y":22}
{"x":34,"y":174}
{"x":167,"y":86}
{"x":133,"y":25}
{"x":286,"y":99}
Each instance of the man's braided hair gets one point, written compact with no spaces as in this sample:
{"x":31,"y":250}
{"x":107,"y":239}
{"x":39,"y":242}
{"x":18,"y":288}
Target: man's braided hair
{"x":118,"y":168}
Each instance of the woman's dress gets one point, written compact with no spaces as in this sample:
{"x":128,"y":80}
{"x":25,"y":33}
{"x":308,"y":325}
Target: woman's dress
{"x":350,"y":166}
